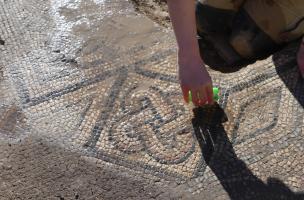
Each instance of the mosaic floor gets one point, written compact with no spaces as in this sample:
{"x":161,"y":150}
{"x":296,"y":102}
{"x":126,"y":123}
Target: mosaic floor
{"x":90,"y":108}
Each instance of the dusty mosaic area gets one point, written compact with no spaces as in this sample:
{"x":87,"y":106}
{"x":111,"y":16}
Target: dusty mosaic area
{"x":91,"y":109}
{"x":154,"y":9}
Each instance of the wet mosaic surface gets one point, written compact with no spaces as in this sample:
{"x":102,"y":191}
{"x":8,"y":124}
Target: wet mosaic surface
{"x":91,"y":109}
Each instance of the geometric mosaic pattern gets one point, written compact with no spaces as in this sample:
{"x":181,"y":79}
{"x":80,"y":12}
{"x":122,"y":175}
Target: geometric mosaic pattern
{"x":99,"y":79}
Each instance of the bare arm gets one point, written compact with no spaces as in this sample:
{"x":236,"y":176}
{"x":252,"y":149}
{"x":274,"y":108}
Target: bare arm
{"x":182,"y":14}
{"x":192,"y":72}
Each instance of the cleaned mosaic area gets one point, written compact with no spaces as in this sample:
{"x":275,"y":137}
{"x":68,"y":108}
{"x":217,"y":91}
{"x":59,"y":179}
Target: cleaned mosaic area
{"x":91,"y":109}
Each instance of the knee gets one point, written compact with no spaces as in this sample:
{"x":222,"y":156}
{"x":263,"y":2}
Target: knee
{"x":241,"y":43}
{"x":248,"y":40}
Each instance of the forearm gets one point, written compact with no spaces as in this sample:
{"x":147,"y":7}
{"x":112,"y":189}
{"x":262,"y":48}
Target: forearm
{"x":193,"y":76}
{"x":182,"y":14}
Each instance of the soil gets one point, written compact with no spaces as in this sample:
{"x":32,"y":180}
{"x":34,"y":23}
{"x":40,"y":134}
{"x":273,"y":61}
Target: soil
{"x":155,"y":9}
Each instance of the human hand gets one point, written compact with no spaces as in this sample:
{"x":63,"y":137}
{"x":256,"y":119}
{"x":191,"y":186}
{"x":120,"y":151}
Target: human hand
{"x":194,"y":77}
{"x":300,"y":58}
{"x":192,"y":73}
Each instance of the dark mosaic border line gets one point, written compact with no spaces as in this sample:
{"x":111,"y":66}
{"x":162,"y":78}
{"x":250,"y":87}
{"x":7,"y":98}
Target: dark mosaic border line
{"x":236,"y":88}
{"x":108,"y":108}
{"x":142,"y":167}
{"x":20,"y":84}
{"x":147,"y":169}
{"x":27,"y":101}
{"x":155,"y":128}
{"x":278,"y":92}
{"x":113,"y":96}
{"x":123,"y":72}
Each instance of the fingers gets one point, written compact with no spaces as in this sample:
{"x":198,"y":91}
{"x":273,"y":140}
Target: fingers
{"x":209,"y":94}
{"x":202,"y":96}
{"x":185,"y":91}
{"x":199,"y":96}
{"x":196,"y":97}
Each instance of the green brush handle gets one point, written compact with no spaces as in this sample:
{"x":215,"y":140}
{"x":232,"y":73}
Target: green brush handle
{"x":215,"y":94}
